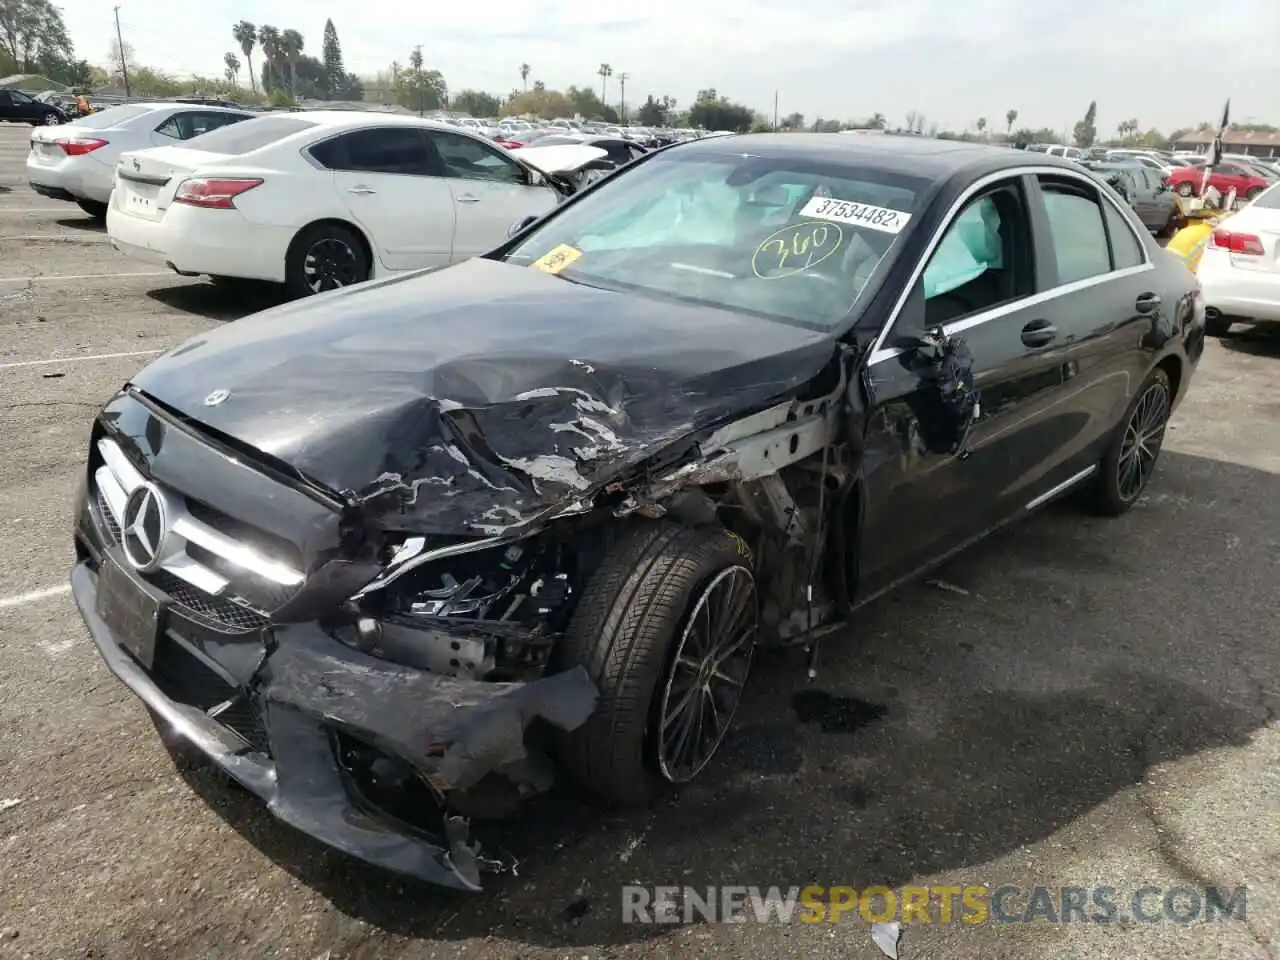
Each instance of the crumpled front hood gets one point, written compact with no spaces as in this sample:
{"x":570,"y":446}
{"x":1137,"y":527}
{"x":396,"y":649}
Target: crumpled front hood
{"x":468,"y":399}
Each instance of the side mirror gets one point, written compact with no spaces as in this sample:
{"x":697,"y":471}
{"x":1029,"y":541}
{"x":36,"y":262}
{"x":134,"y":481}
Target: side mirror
{"x":520,"y":225}
{"x":536,"y":179}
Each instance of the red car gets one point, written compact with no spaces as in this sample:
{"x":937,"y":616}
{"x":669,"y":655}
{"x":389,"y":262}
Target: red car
{"x":1225,"y":177}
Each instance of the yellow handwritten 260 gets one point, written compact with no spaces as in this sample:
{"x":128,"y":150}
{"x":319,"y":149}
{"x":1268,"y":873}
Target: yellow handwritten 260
{"x":795,"y":248}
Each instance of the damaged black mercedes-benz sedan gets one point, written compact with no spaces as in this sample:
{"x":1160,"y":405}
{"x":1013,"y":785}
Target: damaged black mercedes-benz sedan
{"x":393,"y":555}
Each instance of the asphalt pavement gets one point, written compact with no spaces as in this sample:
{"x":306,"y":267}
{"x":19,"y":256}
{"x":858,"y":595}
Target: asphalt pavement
{"x":1076,"y":702}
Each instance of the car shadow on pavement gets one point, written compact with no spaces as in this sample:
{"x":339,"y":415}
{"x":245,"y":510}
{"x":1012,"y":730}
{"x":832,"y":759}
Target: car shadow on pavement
{"x":1261,"y":340}
{"x":87,"y":224}
{"x":224,"y":302}
{"x":965,"y":717}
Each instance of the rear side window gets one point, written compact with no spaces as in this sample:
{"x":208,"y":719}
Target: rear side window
{"x":1126,"y":251}
{"x":1079,"y":231}
{"x":112,"y":116}
{"x":246,"y":137}
{"x":401,"y":150}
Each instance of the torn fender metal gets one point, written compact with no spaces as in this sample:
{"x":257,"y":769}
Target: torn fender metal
{"x":561,"y":159}
{"x":472,"y":400}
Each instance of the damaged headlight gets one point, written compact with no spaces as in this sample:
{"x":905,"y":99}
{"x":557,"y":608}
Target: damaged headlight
{"x":482,"y":614}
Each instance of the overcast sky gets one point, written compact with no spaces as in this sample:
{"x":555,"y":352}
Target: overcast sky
{"x":953,"y":62}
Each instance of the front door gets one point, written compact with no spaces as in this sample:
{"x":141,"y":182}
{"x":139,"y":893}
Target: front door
{"x":490,"y":192}
{"x":924,"y":496}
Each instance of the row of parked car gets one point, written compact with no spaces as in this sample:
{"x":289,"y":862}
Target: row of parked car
{"x":314,"y":200}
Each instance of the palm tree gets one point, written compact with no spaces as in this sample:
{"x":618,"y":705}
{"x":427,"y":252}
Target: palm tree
{"x":605,"y":72}
{"x":524,"y":76}
{"x":982,"y":125}
{"x":233,"y":68}
{"x":246,"y":34}
{"x":878,"y":121}
{"x":1009,"y":119}
{"x":269,"y":37}
{"x":291,"y":49}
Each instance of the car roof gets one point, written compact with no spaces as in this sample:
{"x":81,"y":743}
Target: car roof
{"x":922,"y":157}
{"x":352,"y":119}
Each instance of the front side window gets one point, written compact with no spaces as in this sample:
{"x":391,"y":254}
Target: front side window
{"x":1079,"y":231}
{"x":468,"y":159}
{"x":791,"y":239}
{"x":983,"y":259}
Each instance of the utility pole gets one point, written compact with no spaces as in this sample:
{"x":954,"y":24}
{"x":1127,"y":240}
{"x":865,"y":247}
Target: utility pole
{"x":417,"y":79}
{"x":124,"y":67}
{"x":622,"y":87}
{"x":775,"y":111}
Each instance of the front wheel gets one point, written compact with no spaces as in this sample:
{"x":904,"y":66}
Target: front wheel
{"x":1131,"y":456}
{"x":51,"y":120}
{"x":666,"y":628}
{"x":325,"y":257}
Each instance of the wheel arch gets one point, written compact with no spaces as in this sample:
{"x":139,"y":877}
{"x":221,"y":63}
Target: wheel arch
{"x":1172,"y":367}
{"x":336,"y":222}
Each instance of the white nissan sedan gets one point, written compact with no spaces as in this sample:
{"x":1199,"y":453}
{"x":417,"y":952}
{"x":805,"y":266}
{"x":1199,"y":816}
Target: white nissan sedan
{"x":76,"y":161}
{"x":1239,"y":270}
{"x":325,"y":199}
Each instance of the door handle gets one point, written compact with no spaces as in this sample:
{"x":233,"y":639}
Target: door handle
{"x":361,"y":189}
{"x":1039,"y":333}
{"x":1147,"y":303}
{"x":467,"y":198}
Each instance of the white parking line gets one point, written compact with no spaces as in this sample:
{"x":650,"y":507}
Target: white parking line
{"x":69,"y":208}
{"x":34,"y":596}
{"x":94,"y":356}
{"x":87,"y":276}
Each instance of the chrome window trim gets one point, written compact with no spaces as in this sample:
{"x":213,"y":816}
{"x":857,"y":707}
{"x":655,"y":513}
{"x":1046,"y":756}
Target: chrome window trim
{"x":879,"y":352}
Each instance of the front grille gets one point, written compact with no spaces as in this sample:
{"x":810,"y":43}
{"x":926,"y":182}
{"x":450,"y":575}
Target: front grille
{"x":183,"y":678}
{"x":223,"y":572}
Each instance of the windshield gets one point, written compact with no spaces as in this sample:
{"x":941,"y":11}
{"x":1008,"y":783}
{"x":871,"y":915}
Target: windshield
{"x":247,"y":135}
{"x":788,"y":239}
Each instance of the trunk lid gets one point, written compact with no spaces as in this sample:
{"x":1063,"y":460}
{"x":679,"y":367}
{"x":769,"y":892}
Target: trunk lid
{"x":146,"y":180}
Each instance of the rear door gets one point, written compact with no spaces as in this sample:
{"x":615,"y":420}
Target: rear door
{"x":490,"y":192}
{"x":979,"y":283}
{"x":1101,"y":301}
{"x":388,"y":178}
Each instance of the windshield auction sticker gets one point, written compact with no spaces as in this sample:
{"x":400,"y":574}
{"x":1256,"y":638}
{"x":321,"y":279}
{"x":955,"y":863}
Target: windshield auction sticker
{"x":557,"y":259}
{"x":794,"y":249}
{"x":856,"y":214}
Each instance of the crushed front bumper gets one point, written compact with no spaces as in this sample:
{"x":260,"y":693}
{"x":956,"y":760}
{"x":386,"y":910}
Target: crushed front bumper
{"x":306,"y":691}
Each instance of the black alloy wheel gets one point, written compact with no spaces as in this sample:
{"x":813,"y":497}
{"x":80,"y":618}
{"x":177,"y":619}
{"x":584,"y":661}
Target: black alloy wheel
{"x":323,"y":258}
{"x":1135,"y":447}
{"x":708,"y":670}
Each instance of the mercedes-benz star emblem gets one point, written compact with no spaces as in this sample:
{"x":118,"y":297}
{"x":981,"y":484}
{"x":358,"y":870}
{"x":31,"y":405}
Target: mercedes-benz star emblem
{"x":215,"y":398}
{"x":144,"y":527}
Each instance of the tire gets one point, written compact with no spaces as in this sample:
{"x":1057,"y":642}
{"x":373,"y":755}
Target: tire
{"x":50,"y":120}
{"x":1185,"y":189}
{"x":96,"y":210}
{"x":1252,"y":193}
{"x":1117,"y":489}
{"x":325,"y":257}
{"x":634,"y":630}
{"x":1217,"y":325}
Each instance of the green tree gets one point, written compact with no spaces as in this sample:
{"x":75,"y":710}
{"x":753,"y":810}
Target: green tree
{"x":232,"y":65}
{"x":605,"y":72}
{"x":1086,"y":130}
{"x":653,"y":113}
{"x":269,"y":39}
{"x":711,"y":111}
{"x":982,"y":126}
{"x":418,"y":88}
{"x":1010,"y":118}
{"x":291,"y":44}
{"x":476,"y":103}
{"x":335,"y":72}
{"x":524,"y":75}
{"x":246,"y":34}
{"x":33,"y":34}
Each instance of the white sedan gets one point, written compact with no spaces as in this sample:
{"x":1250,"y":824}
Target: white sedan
{"x":77,"y":161}
{"x":1239,"y":270}
{"x":321,"y":200}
